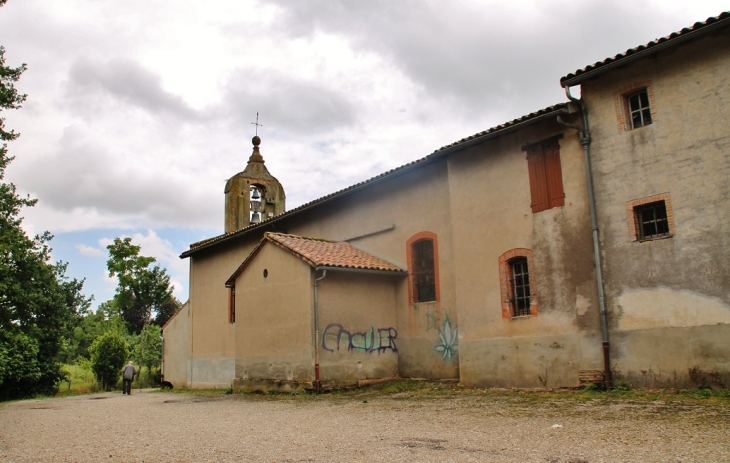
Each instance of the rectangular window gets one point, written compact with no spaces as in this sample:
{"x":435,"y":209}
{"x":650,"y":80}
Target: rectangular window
{"x":516,"y":285}
{"x":424,"y":280}
{"x":652,"y":220}
{"x":639,"y":109}
{"x":546,"y":175}
{"x":520,"y":287}
{"x":232,"y":305}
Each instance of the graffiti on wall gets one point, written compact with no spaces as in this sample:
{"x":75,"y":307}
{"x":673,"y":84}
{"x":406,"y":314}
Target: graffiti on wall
{"x":336,"y":337}
{"x":448,"y":333}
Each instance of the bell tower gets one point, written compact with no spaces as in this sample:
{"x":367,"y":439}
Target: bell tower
{"x":254,"y":195}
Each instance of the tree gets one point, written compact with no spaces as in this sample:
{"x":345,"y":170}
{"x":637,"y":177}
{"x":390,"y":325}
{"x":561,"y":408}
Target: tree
{"x":147,"y":351}
{"x":166,"y":311}
{"x":108,"y":354}
{"x":142,"y":288}
{"x":37,"y":300}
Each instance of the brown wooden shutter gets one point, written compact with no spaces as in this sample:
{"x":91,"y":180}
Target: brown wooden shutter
{"x":538,"y":184}
{"x":554,"y":174}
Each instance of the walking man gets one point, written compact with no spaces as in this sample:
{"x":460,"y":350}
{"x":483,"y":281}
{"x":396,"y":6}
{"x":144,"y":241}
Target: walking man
{"x":127,"y":377}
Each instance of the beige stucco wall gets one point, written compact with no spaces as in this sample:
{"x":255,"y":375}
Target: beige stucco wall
{"x":212,"y":337}
{"x":400,"y":208}
{"x":491,"y":214}
{"x":668,"y":300}
{"x":274,"y":318}
{"x":358,"y":334}
{"x":176,"y":354}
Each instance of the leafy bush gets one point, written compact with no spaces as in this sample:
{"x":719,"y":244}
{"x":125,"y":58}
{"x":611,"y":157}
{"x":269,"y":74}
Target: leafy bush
{"x":108,"y":354}
{"x":19,"y":366}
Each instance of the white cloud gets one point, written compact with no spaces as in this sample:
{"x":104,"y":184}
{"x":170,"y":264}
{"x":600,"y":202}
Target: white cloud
{"x":90,"y":251}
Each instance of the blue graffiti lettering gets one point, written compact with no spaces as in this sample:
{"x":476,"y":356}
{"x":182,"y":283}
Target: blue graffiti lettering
{"x":335,"y":337}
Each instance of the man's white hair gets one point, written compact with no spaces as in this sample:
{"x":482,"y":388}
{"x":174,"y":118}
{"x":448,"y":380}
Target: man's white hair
{"x":130,"y":363}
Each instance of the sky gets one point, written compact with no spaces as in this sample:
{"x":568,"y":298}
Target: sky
{"x":139,"y":111}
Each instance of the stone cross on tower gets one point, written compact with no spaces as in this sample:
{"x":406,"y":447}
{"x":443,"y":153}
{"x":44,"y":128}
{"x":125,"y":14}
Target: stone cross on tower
{"x":257,"y":124}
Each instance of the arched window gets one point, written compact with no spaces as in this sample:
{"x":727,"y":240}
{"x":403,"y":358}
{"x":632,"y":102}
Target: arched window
{"x":423,"y":268}
{"x":516,"y":274}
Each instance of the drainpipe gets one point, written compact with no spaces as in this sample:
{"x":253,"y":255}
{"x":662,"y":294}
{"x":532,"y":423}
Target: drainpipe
{"x":584,"y":135}
{"x":317,"y":384}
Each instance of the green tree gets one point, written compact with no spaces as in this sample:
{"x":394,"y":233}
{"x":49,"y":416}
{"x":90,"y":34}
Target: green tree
{"x":166,"y":311}
{"x":142,"y":288}
{"x":37,"y":301}
{"x":19,"y":364}
{"x":108,"y":354}
{"x":147,"y":350}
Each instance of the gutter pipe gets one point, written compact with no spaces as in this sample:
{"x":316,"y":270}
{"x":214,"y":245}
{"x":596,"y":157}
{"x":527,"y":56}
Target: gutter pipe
{"x":317,"y":383}
{"x":584,"y":135}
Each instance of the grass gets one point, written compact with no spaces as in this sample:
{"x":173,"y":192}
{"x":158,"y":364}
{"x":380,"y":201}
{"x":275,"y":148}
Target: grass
{"x":425,"y":390}
{"x":81,"y":380}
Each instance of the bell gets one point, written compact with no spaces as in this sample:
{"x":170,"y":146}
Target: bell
{"x":256,"y":194}
{"x":256,"y":217}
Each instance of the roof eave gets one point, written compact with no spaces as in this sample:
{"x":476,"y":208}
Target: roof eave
{"x":317,"y":203}
{"x":567,"y":108}
{"x":676,"y":41}
{"x":362,"y":270}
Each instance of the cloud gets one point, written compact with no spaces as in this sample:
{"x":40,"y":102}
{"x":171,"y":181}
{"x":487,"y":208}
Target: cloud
{"x":290,"y":104}
{"x":482,"y":56}
{"x":83,"y":177}
{"x":90,"y":251}
{"x":124,"y":81}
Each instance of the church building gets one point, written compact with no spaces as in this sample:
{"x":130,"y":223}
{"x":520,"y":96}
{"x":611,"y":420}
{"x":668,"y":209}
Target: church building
{"x":584,"y":242}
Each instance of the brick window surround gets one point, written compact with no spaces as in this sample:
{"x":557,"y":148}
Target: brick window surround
{"x":621,"y":104}
{"x":505,"y":278}
{"x":412,"y":296}
{"x":633,"y":219}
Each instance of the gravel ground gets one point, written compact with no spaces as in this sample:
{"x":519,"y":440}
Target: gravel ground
{"x":154,"y":427}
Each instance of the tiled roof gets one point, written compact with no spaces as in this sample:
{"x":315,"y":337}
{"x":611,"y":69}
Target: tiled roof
{"x":456,"y":146}
{"x":322,"y":253}
{"x":673,"y":39}
{"x":479,"y":136}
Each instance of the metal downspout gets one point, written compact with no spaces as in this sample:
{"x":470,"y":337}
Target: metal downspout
{"x":317,"y":383}
{"x":584,"y":135}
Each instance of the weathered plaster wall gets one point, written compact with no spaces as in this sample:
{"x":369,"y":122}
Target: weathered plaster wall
{"x":358,"y":334}
{"x":491,"y":214}
{"x":176,"y":355}
{"x":380,"y":220}
{"x":668,"y":299}
{"x":212,"y":338}
{"x":274,"y":318}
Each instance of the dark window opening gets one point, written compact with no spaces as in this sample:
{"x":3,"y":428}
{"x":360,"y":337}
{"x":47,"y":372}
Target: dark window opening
{"x":232,"y":305}
{"x":652,"y":220}
{"x":520,"y":287}
{"x":424,"y":275}
{"x":639,"y":109}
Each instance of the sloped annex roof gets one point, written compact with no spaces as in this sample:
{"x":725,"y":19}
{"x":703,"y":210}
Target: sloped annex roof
{"x":175,"y":315}
{"x":632,"y":54}
{"x":321,"y":253}
{"x":496,"y":131}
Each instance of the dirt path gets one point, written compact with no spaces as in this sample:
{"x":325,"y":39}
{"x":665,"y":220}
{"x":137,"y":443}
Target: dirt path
{"x":155,"y":427}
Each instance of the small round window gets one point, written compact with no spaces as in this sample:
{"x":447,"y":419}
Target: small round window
{"x":266,"y":273}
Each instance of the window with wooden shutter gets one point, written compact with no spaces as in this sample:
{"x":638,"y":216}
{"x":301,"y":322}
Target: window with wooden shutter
{"x":546,"y":175}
